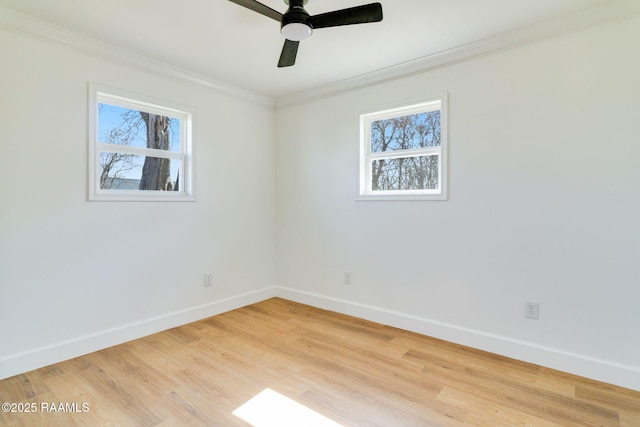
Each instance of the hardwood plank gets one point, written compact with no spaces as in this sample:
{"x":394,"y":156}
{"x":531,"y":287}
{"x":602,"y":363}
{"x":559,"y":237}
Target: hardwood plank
{"x":524,"y":397}
{"x":485,"y":412}
{"x":352,"y":371}
{"x":71,"y":388}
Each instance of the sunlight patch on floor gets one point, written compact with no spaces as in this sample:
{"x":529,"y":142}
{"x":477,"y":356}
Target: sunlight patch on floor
{"x":271,"y":409}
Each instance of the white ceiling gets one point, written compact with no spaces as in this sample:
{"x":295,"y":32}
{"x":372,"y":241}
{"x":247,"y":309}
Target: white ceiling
{"x":221,"y":41}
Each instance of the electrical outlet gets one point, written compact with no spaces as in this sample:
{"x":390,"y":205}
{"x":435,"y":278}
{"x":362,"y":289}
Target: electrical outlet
{"x":208,"y":279}
{"x":532,"y":310}
{"x":347,"y":278}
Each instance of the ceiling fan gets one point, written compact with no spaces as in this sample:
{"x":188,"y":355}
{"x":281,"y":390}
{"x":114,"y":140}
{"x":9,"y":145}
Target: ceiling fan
{"x":296,"y":24}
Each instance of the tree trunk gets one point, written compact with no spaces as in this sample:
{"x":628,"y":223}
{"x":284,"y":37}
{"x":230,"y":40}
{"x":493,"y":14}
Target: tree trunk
{"x":155,"y":171}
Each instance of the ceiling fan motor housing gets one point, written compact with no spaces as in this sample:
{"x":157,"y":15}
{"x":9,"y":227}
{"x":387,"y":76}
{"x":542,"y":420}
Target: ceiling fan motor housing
{"x":295,"y":23}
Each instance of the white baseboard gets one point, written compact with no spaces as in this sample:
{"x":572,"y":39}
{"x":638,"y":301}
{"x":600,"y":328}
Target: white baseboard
{"x":44,"y":356}
{"x":577,"y":364}
{"x":601,"y":370}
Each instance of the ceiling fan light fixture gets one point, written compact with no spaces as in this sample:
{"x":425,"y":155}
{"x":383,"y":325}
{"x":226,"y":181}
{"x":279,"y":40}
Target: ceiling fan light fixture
{"x":296,"y":31}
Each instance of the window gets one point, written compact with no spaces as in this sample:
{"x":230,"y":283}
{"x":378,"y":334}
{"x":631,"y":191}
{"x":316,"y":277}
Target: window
{"x":139,"y":149}
{"x":403,"y":152}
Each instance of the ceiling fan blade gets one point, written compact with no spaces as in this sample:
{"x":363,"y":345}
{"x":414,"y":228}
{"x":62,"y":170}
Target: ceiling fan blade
{"x":353,"y":15}
{"x":260,"y":8}
{"x":289,"y":52}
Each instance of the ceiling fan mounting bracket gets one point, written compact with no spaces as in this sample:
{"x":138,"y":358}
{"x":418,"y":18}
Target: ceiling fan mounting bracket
{"x":303,"y":2}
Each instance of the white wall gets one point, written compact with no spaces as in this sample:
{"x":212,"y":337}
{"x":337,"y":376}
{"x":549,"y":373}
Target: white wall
{"x":543,"y":206}
{"x":77,"y":275}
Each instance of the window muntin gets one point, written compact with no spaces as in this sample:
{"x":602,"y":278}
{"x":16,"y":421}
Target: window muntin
{"x":139,"y":150}
{"x":403,"y":152}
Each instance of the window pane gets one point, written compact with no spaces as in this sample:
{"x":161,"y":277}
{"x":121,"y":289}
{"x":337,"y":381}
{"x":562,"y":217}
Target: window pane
{"x":124,"y":126}
{"x":405,"y":173}
{"x":406,"y":132}
{"x":129,"y":172}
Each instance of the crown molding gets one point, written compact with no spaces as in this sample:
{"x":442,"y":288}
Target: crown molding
{"x":33,"y":27}
{"x":606,"y":13}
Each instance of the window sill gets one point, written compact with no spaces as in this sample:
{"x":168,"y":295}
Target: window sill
{"x":149,"y":196}
{"x":402,"y":197}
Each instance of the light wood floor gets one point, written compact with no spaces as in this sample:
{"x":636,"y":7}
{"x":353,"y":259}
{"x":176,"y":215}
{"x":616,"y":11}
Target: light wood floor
{"x":351,"y":371}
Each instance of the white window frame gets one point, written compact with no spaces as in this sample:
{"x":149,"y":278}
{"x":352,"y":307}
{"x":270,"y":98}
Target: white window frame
{"x":367,"y":156}
{"x":122,"y":98}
